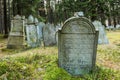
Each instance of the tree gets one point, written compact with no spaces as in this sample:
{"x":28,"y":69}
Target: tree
{"x":25,"y":7}
{"x":5,"y":20}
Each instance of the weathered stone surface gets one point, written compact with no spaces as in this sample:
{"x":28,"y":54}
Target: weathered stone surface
{"x":49,"y":34}
{"x":15,"y":42}
{"x":17,"y":24}
{"x":16,"y":37}
{"x":77,"y":45}
{"x":118,"y":26}
{"x":31,"y":32}
{"x":40,"y":26}
{"x":30,"y":19}
{"x":34,"y":32}
{"x":102,"y":34}
{"x":57,"y":28}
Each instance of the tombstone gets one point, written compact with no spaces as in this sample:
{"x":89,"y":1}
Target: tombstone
{"x":118,"y":26}
{"x":102,"y":34}
{"x":57,"y":28}
{"x":77,"y":45}
{"x":49,"y":35}
{"x":16,"y":37}
{"x":78,"y":14}
{"x":36,"y":20}
{"x":40,"y":26}
{"x":31,"y":32}
{"x":56,"y":36}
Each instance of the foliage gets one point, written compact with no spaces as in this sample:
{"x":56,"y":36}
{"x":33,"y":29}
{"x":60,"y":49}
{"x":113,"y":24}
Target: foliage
{"x":26,"y":7}
{"x":93,"y":9}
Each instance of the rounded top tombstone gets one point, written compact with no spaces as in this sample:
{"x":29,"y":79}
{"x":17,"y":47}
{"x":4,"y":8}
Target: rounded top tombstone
{"x":23,"y":17}
{"x":79,"y":14}
{"x":78,"y":25}
{"x":36,"y":20}
{"x":17,"y":17}
{"x":77,"y":46}
{"x":30,"y":19}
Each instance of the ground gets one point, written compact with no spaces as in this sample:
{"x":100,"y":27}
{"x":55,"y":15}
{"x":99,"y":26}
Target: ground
{"x":108,"y":56}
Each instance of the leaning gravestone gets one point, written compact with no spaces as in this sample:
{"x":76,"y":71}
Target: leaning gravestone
{"x":77,"y":45}
{"x":16,"y":37}
{"x":102,"y":39}
{"x":31,"y":32}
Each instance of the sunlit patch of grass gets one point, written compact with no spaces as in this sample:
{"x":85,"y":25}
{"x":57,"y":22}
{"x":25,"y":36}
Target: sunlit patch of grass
{"x":109,"y":56}
{"x":114,"y":36}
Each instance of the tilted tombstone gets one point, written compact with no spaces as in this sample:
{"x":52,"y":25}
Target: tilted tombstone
{"x":31,"y":32}
{"x":102,"y":39}
{"x":49,"y":35}
{"x":77,"y":45}
{"x":16,"y":37}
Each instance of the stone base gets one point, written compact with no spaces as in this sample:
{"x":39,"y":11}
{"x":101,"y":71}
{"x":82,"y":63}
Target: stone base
{"x":16,"y":42}
{"x":15,"y":46}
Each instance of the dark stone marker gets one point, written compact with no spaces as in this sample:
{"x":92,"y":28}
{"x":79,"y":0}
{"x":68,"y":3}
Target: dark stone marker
{"x":77,"y":43}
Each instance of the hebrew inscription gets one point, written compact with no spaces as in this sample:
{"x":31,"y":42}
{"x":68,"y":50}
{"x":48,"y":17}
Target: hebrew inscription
{"x":79,"y":51}
{"x":77,"y":47}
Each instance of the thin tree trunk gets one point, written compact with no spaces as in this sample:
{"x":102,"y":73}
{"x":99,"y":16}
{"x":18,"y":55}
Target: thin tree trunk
{"x":5,"y":20}
{"x":114,"y":17}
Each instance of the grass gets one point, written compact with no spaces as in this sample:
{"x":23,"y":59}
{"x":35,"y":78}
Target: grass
{"x":44,"y":67}
{"x":42,"y":63}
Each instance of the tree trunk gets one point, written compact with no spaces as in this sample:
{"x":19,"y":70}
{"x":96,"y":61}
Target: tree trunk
{"x":49,"y":13}
{"x":5,"y":20}
{"x":114,"y":17}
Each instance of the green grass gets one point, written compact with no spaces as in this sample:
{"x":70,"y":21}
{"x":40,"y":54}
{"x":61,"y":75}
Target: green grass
{"x":45,"y":67}
{"x":42,"y":63}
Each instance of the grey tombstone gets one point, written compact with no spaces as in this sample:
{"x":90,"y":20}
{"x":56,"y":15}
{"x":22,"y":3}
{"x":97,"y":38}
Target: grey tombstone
{"x":36,"y":20}
{"x":118,"y":26}
{"x":40,"y":26}
{"x":102,"y":34}
{"x":49,"y":35}
{"x":77,"y":45}
{"x":56,"y":36}
{"x":16,"y":37}
{"x":57,"y":28}
{"x":31,"y":32}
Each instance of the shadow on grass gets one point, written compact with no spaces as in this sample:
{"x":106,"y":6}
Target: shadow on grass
{"x":15,"y":51}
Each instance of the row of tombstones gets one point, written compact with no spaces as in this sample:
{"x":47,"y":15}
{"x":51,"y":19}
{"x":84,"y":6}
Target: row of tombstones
{"x":37,"y":33}
{"x":112,"y":27}
{"x":77,"y":41}
{"x":31,"y":32}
